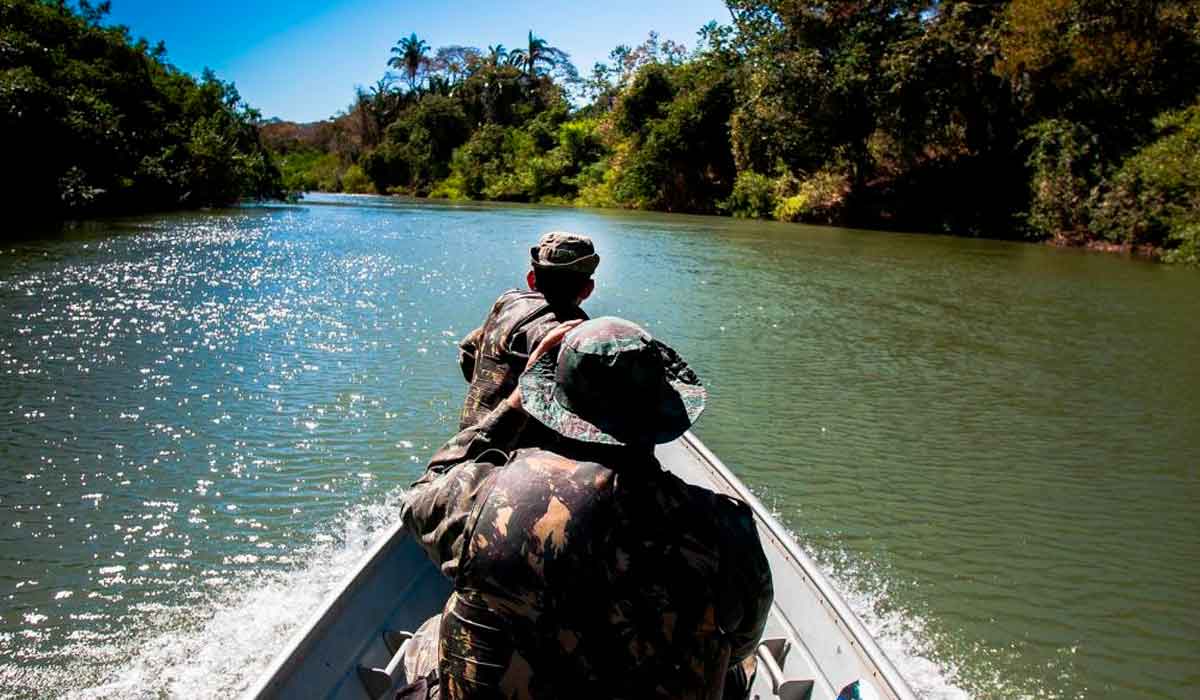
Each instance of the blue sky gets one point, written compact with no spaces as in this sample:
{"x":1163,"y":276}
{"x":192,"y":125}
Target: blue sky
{"x":301,"y":59}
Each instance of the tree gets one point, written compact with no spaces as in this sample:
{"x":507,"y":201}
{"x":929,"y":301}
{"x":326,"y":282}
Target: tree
{"x":455,"y":62}
{"x":408,"y":55}
{"x":98,"y":123}
{"x":416,"y":151}
{"x":497,"y":55}
{"x":536,"y":54}
{"x":1112,"y":66}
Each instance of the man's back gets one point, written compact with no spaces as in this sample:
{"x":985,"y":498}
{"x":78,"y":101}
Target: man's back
{"x":580,"y":567}
{"x":492,"y":356}
{"x":495,"y":353}
{"x":577,"y":579}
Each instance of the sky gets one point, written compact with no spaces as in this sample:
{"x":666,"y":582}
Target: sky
{"x":300,"y":60}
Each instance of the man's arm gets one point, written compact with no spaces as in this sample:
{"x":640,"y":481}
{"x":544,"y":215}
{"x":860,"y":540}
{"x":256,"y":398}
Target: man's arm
{"x":468,"y":350}
{"x":748,"y":574}
{"x":435,"y":509}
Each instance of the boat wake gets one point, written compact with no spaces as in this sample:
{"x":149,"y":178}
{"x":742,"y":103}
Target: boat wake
{"x":903,"y":636}
{"x":225,"y":649}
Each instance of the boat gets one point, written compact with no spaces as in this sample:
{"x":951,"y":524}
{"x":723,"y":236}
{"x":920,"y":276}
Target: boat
{"x":814,"y":647}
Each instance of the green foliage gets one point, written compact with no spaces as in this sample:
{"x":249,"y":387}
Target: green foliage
{"x":645,"y":99}
{"x":1111,"y":66}
{"x":753,"y":197}
{"x":1065,"y":165}
{"x":1154,"y":198}
{"x":355,"y":181}
{"x":1013,"y":118}
{"x":102,"y":124}
{"x":1186,"y":239}
{"x":815,"y":199}
{"x":417,"y":147}
{"x":679,"y":158}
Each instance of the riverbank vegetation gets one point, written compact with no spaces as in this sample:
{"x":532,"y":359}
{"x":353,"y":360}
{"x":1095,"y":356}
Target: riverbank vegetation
{"x":1074,"y":121}
{"x":95,"y":122}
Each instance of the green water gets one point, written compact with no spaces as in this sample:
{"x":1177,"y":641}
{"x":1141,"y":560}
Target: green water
{"x":206,"y":417}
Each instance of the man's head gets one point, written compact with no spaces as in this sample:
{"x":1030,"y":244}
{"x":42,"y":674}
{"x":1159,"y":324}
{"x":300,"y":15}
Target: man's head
{"x":562,"y":266}
{"x":610,"y":383}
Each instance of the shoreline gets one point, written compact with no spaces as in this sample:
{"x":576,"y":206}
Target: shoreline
{"x":1146,"y":253}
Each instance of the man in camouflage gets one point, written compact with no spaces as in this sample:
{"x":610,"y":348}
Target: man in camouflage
{"x":583,"y":569}
{"x":492,"y":356}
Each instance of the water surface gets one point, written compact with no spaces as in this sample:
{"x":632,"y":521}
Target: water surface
{"x":206,"y":418}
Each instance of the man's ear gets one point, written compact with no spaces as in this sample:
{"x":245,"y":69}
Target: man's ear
{"x":587,"y":290}
{"x":531,"y":280}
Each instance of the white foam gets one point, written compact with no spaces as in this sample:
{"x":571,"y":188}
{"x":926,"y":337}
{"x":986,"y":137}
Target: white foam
{"x":903,"y":637}
{"x":248,"y":622}
{"x":237,"y":634}
{"x":901,"y":634}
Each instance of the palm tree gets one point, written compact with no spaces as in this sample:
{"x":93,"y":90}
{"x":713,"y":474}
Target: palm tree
{"x":496,"y":55}
{"x":409,"y":55}
{"x":439,"y":85}
{"x":537,"y":53}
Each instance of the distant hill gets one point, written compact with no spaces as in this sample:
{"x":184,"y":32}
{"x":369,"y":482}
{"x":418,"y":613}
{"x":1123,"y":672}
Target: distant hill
{"x":318,"y":156}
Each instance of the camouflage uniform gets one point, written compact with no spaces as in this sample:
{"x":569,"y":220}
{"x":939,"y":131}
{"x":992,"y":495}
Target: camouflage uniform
{"x":591,"y":579}
{"x":492,"y":356}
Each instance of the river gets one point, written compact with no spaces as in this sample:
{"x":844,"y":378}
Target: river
{"x":992,"y":447}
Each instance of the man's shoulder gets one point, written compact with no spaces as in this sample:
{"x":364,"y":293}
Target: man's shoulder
{"x":540,"y":459}
{"x":513,"y":295}
{"x":514,"y":305}
{"x":544,"y":469}
{"x":721,"y":516}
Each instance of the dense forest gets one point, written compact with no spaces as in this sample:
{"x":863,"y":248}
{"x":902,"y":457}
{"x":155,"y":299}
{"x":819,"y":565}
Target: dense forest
{"x":94,"y":122}
{"x":1075,"y":121}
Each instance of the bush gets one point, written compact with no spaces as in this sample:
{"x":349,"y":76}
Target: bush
{"x":355,"y":180}
{"x":450,"y":188}
{"x":753,"y":197}
{"x":817,"y":199}
{"x":1154,"y":198}
{"x":595,"y":185}
{"x":1065,"y":164}
{"x":1186,"y":240}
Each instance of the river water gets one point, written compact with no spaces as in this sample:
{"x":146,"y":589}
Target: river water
{"x":205,"y":419}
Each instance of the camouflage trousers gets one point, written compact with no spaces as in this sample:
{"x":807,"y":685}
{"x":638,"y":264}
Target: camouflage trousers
{"x":420,"y":655}
{"x":422,"y":652}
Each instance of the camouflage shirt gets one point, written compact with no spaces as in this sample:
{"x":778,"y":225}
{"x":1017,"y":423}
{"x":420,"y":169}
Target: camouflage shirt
{"x":581,"y":579}
{"x":493,"y":356}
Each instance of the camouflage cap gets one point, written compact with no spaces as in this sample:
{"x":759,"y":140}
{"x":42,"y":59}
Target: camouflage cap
{"x":569,"y":252}
{"x":611,"y":383}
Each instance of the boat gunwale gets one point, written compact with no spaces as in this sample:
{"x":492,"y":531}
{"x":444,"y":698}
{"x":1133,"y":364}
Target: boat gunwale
{"x":306,"y":637}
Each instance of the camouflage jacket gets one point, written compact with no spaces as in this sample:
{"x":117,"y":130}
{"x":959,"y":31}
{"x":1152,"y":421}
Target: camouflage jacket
{"x":575,"y":578}
{"x":493,"y":356}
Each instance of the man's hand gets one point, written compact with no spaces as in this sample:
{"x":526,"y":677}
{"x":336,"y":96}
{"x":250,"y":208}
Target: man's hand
{"x":551,"y":341}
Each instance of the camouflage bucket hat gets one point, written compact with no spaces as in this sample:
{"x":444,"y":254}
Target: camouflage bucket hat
{"x":611,"y":383}
{"x":569,"y":252}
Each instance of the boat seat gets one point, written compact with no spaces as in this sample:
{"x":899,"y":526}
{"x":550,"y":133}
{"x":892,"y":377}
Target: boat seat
{"x":380,"y":682}
{"x":772,"y":655}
